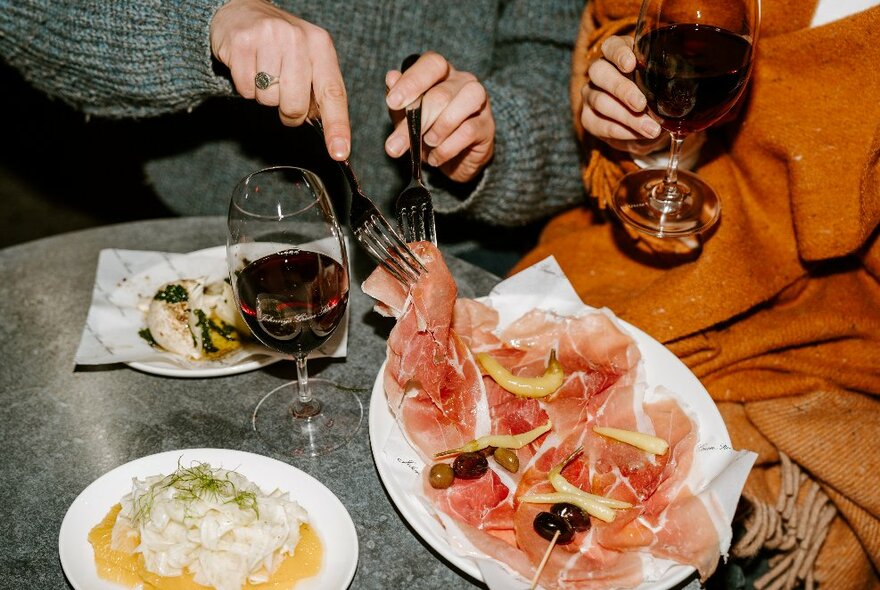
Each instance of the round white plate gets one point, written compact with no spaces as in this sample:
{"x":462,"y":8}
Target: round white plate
{"x":211,"y":369}
{"x":217,"y":271}
{"x":662,"y":368}
{"x":327,"y":515}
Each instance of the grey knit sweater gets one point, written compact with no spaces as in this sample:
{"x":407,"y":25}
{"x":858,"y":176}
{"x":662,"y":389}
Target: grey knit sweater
{"x":151,"y":60}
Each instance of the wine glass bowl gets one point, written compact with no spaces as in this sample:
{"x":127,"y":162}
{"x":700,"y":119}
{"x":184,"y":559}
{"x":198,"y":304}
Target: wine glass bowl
{"x":693,"y":61}
{"x":289,"y":272}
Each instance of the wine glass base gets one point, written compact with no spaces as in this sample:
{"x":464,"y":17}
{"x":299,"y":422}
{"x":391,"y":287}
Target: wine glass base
{"x":634,"y":204}
{"x":334,"y":426}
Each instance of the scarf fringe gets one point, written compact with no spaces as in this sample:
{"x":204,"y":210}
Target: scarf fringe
{"x":791,"y":530}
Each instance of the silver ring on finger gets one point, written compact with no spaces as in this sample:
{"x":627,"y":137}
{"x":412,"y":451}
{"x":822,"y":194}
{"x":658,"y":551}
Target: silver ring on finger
{"x":263,"y":80}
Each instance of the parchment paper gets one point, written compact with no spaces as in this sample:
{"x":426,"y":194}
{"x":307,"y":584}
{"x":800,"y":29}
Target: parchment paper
{"x":125,"y":282}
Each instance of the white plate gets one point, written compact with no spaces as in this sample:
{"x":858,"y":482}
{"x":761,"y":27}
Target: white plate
{"x":662,"y":368}
{"x":206,"y":368}
{"x":327,"y":515}
{"x":168,"y":369}
{"x":191,"y":264}
{"x":124,"y":281}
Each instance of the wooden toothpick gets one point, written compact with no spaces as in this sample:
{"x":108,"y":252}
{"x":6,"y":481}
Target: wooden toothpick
{"x":544,"y":561}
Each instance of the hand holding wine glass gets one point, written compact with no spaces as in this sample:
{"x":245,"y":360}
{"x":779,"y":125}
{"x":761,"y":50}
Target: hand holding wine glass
{"x":289,"y":271}
{"x":691,"y":60}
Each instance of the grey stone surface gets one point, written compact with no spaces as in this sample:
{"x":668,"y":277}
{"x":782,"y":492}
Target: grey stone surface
{"x":64,"y":426}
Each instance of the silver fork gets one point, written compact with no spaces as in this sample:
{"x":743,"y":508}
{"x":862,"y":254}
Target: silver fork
{"x":373,"y":231}
{"x":415,"y":211}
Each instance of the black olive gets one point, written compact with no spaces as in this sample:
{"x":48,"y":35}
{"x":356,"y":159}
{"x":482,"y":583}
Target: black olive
{"x":573,"y":515}
{"x":547,"y":524}
{"x":441,"y":476}
{"x":470,"y":465}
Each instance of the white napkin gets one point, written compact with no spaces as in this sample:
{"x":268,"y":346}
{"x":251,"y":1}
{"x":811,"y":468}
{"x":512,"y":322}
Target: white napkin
{"x":717,"y":475}
{"x":126,"y":279}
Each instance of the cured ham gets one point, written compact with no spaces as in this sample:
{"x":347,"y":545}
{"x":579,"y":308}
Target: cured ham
{"x":431,"y":379}
{"x":485,"y":503}
{"x":442,"y":400}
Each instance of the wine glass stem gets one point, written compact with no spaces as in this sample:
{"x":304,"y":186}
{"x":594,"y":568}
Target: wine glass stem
{"x":668,"y":196}
{"x":674,"y":156}
{"x":305,"y":406}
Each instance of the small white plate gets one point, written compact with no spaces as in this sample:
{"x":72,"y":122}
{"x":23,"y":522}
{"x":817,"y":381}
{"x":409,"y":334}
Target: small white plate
{"x":170,"y":368}
{"x":327,"y":515}
{"x":124,"y":280}
{"x":211,"y":369}
{"x":662,"y":368}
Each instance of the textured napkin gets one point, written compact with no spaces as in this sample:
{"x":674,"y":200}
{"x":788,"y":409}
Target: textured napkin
{"x":717,"y":475}
{"x":126,"y":280}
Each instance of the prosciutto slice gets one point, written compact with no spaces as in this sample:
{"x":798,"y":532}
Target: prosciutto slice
{"x":431,"y":379}
{"x":441,"y":399}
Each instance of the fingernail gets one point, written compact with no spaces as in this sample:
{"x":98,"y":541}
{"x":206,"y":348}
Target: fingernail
{"x":339,"y":148}
{"x":432,"y":160}
{"x":395,"y":146}
{"x":431,"y":138}
{"x":395,"y":100}
{"x":637,"y":101}
{"x":651,"y":128}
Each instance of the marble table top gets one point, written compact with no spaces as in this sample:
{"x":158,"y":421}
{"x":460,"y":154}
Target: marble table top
{"x":64,"y":426}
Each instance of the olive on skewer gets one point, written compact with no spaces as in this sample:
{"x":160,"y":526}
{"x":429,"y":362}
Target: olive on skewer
{"x":574,"y":516}
{"x":548,"y":525}
{"x":555,"y":529}
{"x":471,"y":466}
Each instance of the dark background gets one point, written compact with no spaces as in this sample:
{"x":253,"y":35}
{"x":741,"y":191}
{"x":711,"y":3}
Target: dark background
{"x":61,"y":172}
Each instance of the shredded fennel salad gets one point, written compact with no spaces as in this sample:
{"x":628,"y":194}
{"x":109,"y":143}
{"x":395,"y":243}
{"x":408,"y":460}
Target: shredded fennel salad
{"x":210,"y":521}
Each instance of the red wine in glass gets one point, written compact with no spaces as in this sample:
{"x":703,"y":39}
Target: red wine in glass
{"x":693,"y":62}
{"x":288,"y":268}
{"x":293,"y":300}
{"x":691,"y":75}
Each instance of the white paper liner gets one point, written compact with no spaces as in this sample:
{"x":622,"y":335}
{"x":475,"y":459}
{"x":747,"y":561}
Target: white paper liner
{"x":717,"y":475}
{"x":125,"y":279}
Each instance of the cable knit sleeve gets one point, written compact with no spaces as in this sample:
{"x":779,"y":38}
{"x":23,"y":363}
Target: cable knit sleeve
{"x":121,"y":58}
{"x":534,"y":172}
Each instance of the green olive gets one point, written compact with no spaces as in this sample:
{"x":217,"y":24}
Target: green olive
{"x":441,"y":476}
{"x":507,"y":459}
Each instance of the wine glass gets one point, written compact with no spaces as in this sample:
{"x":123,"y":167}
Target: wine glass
{"x":289,"y":272}
{"x":693,"y":60}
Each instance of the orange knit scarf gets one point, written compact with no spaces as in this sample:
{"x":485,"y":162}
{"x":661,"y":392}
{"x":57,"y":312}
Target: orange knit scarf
{"x":778,"y":311}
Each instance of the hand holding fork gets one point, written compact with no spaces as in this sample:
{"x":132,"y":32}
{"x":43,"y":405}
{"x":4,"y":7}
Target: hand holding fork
{"x":415,"y":210}
{"x":372,"y":230}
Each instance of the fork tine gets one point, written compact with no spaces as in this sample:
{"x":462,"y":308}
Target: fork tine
{"x":399,"y":246}
{"x":427,"y":219}
{"x":373,"y":231}
{"x":411,"y":220}
{"x":420,"y":220}
{"x":404,"y":221}
{"x":416,"y":222}
{"x":378,"y":245}
{"x":380,"y":256}
{"x":422,"y":223}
